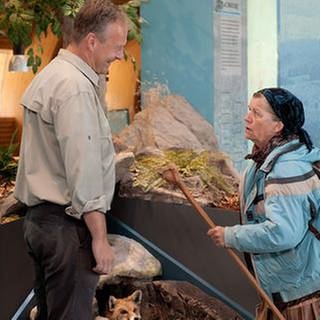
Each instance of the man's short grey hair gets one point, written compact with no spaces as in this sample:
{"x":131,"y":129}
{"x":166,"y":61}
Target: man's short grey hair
{"x":94,"y":16}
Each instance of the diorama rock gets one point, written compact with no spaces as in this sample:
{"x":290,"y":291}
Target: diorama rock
{"x":169,"y":129}
{"x":132,"y":260}
{"x":166,"y":122}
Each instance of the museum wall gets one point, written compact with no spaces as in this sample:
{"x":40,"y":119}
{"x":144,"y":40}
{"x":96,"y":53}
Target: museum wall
{"x":299,"y":53}
{"x":178,"y":50}
{"x":121,"y":86}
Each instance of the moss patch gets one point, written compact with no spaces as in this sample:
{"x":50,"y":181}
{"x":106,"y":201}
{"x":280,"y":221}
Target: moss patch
{"x":205,"y":166}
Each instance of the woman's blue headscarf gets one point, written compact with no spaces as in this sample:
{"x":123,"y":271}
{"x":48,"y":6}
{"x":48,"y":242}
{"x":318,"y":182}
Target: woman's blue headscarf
{"x":289,"y":109}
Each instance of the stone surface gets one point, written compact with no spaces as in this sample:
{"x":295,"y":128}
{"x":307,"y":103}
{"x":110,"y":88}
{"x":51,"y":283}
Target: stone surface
{"x":124,"y":160}
{"x":6,"y":203}
{"x":168,"y":122}
{"x":132,"y":260}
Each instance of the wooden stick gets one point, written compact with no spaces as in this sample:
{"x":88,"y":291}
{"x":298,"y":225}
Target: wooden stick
{"x":171,"y":175}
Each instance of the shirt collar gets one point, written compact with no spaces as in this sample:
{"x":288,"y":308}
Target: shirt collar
{"x":80,"y":64}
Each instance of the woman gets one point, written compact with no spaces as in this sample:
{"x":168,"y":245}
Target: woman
{"x":280,"y":198}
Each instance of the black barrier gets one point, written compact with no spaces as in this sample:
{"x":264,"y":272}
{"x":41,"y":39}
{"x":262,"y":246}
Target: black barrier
{"x":179,"y":231}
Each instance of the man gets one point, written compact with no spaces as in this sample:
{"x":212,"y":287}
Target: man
{"x":66,"y":171}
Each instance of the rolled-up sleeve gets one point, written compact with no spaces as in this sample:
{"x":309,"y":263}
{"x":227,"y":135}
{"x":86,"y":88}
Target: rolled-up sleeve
{"x":86,"y":147}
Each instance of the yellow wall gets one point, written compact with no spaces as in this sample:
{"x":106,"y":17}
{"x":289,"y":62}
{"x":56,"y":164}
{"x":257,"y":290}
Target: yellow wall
{"x":121,"y":86}
{"x":122,"y":83}
{"x":13,"y":84}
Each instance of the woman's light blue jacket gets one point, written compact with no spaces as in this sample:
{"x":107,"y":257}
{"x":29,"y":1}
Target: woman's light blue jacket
{"x":277,"y":203}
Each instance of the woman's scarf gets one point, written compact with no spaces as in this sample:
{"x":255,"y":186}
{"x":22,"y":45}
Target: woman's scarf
{"x":260,"y":155}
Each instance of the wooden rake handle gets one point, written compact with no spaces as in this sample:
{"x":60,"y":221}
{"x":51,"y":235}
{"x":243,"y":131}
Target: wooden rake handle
{"x":171,"y":175}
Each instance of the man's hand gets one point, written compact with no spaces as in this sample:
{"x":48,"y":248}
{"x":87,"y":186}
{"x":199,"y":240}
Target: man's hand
{"x":217,"y":235}
{"x":104,"y":256}
{"x":101,"y":249}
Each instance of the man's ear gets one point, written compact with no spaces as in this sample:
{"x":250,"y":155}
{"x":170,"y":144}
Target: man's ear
{"x":91,"y":40}
{"x":136,"y":297}
{"x":112,"y":303}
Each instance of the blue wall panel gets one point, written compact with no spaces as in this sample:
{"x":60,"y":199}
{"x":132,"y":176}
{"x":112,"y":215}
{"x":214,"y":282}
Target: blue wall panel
{"x":178,"y":50}
{"x":299,"y":56}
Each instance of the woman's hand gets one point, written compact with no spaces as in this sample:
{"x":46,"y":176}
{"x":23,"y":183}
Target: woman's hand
{"x":217,"y":235}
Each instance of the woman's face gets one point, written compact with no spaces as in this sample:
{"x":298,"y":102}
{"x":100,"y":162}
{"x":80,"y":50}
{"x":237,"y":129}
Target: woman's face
{"x":261,"y":124}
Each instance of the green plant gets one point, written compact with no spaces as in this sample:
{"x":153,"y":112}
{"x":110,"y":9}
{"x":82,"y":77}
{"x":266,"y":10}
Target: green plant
{"x":20,"y":18}
{"x":132,"y":9}
{"x":8,"y":166}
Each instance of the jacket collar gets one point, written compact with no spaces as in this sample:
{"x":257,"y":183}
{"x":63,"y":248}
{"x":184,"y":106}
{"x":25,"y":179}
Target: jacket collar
{"x":277,"y":152}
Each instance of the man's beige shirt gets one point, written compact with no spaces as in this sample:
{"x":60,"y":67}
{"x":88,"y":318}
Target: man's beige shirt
{"x":67,"y":154}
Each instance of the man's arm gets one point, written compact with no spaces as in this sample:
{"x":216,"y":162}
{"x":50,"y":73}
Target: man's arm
{"x":102,"y":251}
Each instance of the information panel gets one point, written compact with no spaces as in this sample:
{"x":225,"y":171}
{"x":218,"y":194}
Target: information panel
{"x":230,"y":75}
